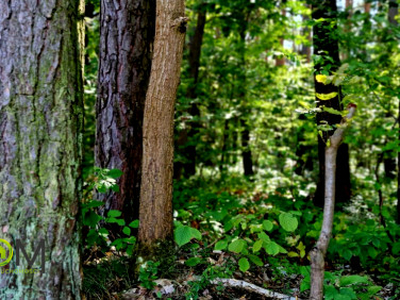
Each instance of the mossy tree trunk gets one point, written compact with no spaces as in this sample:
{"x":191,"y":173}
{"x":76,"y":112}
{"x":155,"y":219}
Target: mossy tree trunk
{"x":126,"y":42}
{"x":41,"y":119}
{"x":156,"y":190}
{"x":327,"y":48}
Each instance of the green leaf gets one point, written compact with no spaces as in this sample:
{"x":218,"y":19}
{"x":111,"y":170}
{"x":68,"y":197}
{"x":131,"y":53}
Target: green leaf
{"x":372,"y":290}
{"x":115,"y":173}
{"x":330,"y":292}
{"x":332,"y":111}
{"x":288,"y":222}
{"x":195,"y":233}
{"x":126,"y":230}
{"x":267,"y":225}
{"x":396,"y":248}
{"x":348,"y":292}
{"x":114,"y":213}
{"x":237,"y":246}
{"x":115,"y":188}
{"x":326,"y":97}
{"x":272,"y":248}
{"x":104,"y":232}
{"x":221,"y":245}
{"x":134,"y":224}
{"x":91,"y":219}
{"x":305,"y":285}
{"x":193,"y":261}
{"x":256,"y":260}
{"x":263,"y":236}
{"x":244,"y":264}
{"x":184,"y":234}
{"x":372,"y":252}
{"x":257,"y":246}
{"x":346,"y":254}
{"x":352,"y":279}
{"x":92,"y":203}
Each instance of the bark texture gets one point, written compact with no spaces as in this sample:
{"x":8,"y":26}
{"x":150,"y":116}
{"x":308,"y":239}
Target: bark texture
{"x":326,"y":46}
{"x":156,"y":190}
{"x":126,"y":42}
{"x":317,"y":254}
{"x":41,"y":119}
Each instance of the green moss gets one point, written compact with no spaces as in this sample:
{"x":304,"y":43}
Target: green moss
{"x":161,"y":251}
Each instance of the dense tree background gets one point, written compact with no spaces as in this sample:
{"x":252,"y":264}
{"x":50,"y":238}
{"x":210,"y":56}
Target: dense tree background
{"x":263,"y":83}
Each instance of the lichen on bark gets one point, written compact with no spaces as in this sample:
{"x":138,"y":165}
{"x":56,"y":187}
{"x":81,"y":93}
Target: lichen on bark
{"x":41,"y":115}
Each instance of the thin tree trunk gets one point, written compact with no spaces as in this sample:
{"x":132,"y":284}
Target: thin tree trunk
{"x":317,"y":254}
{"x":127,"y":33}
{"x":156,"y":191}
{"x":324,"y":40}
{"x":367,"y":7}
{"x":242,"y":91}
{"x":41,"y":122}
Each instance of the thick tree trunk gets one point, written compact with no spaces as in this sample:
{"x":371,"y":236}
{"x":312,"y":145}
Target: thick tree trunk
{"x":41,"y":122}
{"x":189,"y":134}
{"x":325,"y":41}
{"x":156,"y":191}
{"x":126,"y":41}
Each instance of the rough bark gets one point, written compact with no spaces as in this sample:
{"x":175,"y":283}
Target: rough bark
{"x":126,"y":41}
{"x":317,"y":254}
{"x":189,"y":134}
{"x":41,"y":119}
{"x":156,"y":190}
{"x":326,"y":45}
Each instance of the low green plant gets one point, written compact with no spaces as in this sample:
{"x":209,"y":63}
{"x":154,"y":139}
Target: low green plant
{"x":93,"y":220}
{"x":347,"y":287}
{"x":148,"y":273}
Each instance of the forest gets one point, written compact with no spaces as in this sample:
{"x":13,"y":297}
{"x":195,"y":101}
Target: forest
{"x":200,"y":149}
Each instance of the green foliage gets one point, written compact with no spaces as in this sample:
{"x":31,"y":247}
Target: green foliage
{"x":183,"y":234}
{"x":147,"y":274}
{"x":96,"y":224}
{"x":268,"y":224}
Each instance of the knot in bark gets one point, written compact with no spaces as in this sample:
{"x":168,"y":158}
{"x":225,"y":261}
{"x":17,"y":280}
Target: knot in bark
{"x":180,"y":24}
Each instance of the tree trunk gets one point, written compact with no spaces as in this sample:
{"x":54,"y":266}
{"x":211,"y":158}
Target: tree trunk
{"x":188,"y":135}
{"x":156,"y":191}
{"x":41,"y":122}
{"x":317,"y":254}
{"x":126,"y":41}
{"x":325,"y":41}
{"x":245,"y":134}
